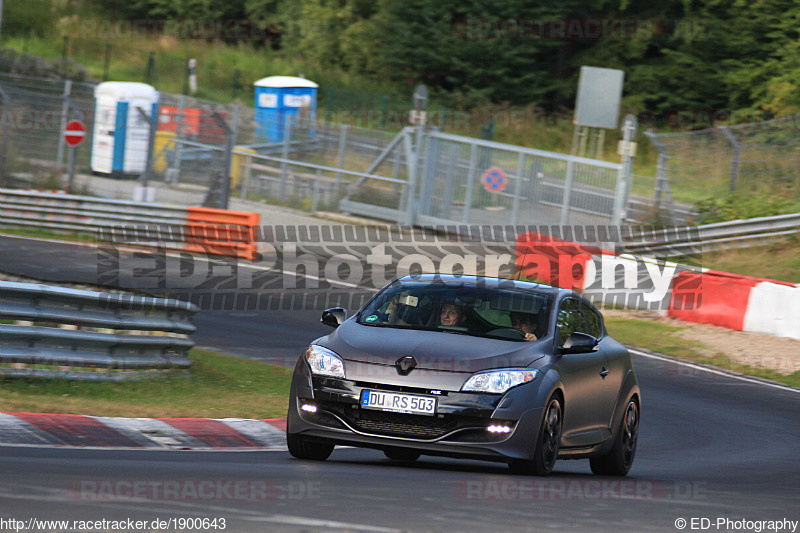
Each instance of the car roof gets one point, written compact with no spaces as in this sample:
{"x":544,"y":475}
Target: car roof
{"x":487,"y":281}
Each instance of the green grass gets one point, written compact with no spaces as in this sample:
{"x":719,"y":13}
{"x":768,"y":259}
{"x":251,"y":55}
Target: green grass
{"x":216,"y":65}
{"x":779,"y":261}
{"x":47,"y":234}
{"x":776,"y":260}
{"x":662,"y":338}
{"x":655,"y":336}
{"x":217,"y":386}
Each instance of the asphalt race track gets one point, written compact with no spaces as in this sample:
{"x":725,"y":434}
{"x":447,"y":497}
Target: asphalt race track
{"x":711,"y":447}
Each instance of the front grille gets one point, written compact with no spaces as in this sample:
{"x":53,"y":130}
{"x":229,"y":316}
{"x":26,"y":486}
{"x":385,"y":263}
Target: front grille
{"x":403,"y":425}
{"x":400,"y":424}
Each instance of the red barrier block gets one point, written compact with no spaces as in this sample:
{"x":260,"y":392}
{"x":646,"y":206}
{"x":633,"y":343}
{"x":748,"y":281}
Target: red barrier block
{"x":711,"y":297}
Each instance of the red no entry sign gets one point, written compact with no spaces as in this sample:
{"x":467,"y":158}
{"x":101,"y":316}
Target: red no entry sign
{"x":74,"y":132}
{"x":494,"y":180}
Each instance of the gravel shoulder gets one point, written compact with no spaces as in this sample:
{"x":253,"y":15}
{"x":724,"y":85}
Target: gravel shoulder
{"x":758,"y":350}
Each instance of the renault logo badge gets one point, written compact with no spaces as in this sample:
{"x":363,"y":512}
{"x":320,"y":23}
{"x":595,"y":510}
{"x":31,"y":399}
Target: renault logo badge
{"x":405,"y":365}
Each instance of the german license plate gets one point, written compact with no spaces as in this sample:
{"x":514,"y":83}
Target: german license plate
{"x":398,"y":403}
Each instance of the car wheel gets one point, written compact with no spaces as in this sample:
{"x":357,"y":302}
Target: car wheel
{"x":619,"y":460}
{"x":401,"y":454}
{"x":546,"y":451}
{"x":302,"y":448}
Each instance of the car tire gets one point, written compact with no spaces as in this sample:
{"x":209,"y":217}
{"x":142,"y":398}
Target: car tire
{"x":619,"y":460}
{"x":548,"y":439}
{"x":401,"y":454}
{"x":302,"y":448}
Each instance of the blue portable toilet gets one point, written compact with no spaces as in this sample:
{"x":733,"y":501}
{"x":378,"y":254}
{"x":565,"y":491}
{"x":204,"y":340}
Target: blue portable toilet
{"x":120,"y":133}
{"x":280,"y":97}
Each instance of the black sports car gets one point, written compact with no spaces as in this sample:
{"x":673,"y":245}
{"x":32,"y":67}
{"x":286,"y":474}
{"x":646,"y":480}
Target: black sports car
{"x":470,"y":367}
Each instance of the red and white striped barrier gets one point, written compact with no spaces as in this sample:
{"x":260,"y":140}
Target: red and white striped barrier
{"x":733,"y":301}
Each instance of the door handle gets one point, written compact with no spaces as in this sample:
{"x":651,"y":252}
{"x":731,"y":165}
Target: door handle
{"x":604,"y":372}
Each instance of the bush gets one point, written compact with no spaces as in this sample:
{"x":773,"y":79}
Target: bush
{"x":15,"y":62}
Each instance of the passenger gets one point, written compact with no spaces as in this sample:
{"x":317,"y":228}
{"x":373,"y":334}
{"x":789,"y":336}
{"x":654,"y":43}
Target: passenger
{"x":397,"y":311}
{"x":523,"y":322}
{"x":452,"y":315}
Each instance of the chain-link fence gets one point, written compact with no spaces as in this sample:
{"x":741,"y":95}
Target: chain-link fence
{"x":299,"y":159}
{"x":33,"y":114}
{"x":756,"y":158}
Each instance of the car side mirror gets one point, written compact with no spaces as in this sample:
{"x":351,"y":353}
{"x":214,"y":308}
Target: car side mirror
{"x":334,"y":317}
{"x":579,"y":342}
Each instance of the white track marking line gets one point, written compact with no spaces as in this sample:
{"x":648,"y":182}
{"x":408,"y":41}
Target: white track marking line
{"x":714,"y":371}
{"x":328,"y":524}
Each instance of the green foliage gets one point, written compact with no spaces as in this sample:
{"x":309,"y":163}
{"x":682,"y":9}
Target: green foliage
{"x":473,"y":47}
{"x":678,"y":55}
{"x":23,"y":16}
{"x":742,"y":206}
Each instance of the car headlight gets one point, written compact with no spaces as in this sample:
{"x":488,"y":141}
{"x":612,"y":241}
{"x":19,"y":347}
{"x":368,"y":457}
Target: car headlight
{"x":324,"y":362}
{"x":498,"y":381}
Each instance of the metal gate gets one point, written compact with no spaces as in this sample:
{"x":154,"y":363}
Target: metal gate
{"x":444,"y":179}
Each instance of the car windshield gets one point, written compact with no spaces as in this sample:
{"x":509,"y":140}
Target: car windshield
{"x":485,"y":311}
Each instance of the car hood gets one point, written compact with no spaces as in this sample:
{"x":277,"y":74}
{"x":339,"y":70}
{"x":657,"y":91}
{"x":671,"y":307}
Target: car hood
{"x":433,"y":350}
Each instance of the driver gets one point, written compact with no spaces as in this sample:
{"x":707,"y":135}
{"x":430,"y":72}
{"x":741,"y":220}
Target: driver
{"x":523,"y":322}
{"x":452,"y":315}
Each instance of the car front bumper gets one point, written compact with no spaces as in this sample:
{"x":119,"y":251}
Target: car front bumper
{"x":458,"y":429}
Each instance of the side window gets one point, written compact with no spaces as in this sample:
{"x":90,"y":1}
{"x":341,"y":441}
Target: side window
{"x":570,"y":320}
{"x":595,"y":322}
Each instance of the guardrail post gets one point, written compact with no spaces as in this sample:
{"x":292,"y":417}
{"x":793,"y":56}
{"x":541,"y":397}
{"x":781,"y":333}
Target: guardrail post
{"x":473,"y":163}
{"x":248,"y":170}
{"x":287,"y":136}
{"x":567,"y":197}
{"x":229,"y":144}
{"x":734,"y":158}
{"x":64,"y":119}
{"x":152,"y":123}
{"x":624,"y":175}
{"x":518,"y":189}
{"x":176,"y":163}
{"x":315,"y":192}
{"x":342,"y":153}
{"x":411,"y":197}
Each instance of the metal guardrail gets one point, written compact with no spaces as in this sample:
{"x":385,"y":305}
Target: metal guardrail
{"x":82,"y":213}
{"x":709,"y":237}
{"x":80,"y":334}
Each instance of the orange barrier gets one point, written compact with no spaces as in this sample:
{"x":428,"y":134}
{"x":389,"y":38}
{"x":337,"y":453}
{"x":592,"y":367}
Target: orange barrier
{"x":221,"y":232}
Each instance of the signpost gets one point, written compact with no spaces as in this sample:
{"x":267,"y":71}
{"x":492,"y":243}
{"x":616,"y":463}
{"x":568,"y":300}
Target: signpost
{"x":74,"y":133}
{"x":417,"y":118}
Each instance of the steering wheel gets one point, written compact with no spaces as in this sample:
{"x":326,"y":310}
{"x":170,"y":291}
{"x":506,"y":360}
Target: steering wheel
{"x":509,"y":333}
